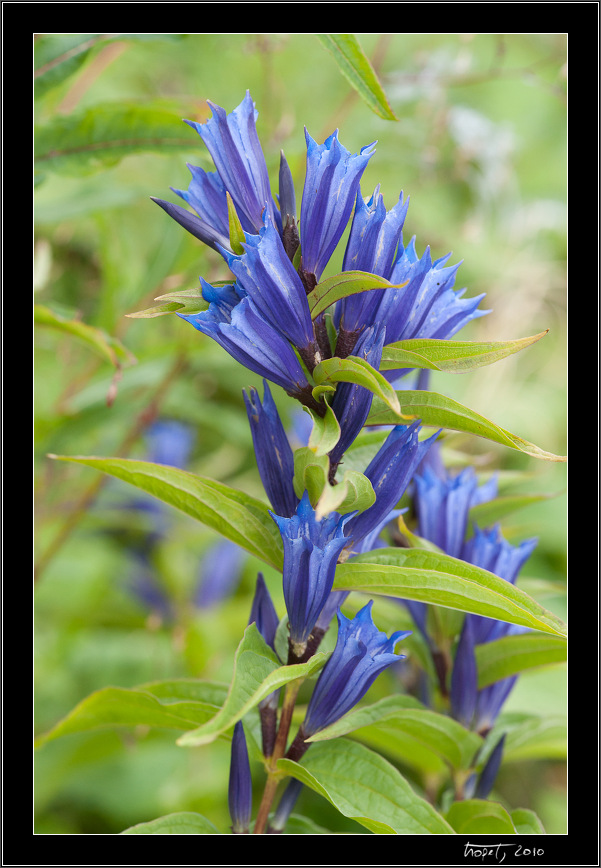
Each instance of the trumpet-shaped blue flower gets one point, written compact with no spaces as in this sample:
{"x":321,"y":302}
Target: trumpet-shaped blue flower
{"x":273,"y":452}
{"x":311,"y":550}
{"x":362,"y":652}
{"x":234,"y":146}
{"x":235,"y":323}
{"x":240,"y":783}
{"x":331,"y":182}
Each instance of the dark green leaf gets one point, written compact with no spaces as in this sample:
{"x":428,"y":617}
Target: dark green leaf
{"x":364,"y":786}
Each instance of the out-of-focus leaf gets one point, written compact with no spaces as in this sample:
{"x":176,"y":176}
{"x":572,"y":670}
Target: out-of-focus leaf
{"x":108,"y":347}
{"x":234,"y":514}
{"x":364,"y":786}
{"x":512,"y":654}
{"x":438,"y":579}
{"x":489,"y":513}
{"x":443,"y":412}
{"x":95,"y":138}
{"x":355,"y":66}
{"x":257,"y":674}
{"x":180,"y":823}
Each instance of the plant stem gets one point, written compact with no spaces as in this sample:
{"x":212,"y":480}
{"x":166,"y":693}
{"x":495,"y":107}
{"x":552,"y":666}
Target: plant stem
{"x":273,"y":777}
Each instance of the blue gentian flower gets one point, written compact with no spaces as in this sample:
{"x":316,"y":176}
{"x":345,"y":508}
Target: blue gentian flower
{"x":362,"y":652}
{"x":241,"y":330}
{"x":273,"y":452}
{"x":331,"y":182}
{"x":234,"y":146}
{"x":311,"y":550}
{"x":240,"y":783}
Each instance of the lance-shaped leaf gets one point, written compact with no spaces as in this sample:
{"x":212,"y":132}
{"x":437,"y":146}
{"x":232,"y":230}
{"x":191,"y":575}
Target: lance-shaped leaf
{"x":442,"y":412}
{"x":356,"y":370}
{"x":234,"y":514}
{"x":163,"y":705}
{"x":455,"y":357}
{"x":489,"y":513}
{"x":257,"y":674}
{"x":179,"y":823}
{"x":325,"y":433}
{"x":364,"y":786}
{"x":438,"y":732}
{"x":436,"y":578}
{"x":512,"y":654}
{"x":310,"y":473}
{"x":332,"y":289}
{"x":353,"y":493}
{"x":356,"y":67}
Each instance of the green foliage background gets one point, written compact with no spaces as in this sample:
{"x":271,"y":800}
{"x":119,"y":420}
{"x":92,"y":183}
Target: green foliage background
{"x":479,"y":145}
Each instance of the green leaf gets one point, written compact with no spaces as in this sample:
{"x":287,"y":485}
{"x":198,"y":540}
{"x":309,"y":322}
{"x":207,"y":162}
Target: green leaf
{"x":108,"y":347}
{"x":179,"y":823}
{"x":95,"y":138}
{"x":356,"y":370}
{"x":338,"y":286}
{"x":364,"y":786}
{"x":526,"y":822}
{"x":480,"y":817}
{"x":161,"y":705}
{"x":436,"y":578}
{"x":355,"y":66}
{"x":442,"y":412}
{"x":439,"y":733}
{"x":455,"y":357}
{"x":234,"y":514}
{"x":512,"y":654}
{"x":257,"y":674}
{"x":489,"y":513}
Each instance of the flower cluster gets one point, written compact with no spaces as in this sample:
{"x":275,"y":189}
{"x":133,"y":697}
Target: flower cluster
{"x":263,"y":317}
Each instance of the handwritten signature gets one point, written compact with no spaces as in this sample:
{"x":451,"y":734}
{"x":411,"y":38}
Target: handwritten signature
{"x":498,"y":851}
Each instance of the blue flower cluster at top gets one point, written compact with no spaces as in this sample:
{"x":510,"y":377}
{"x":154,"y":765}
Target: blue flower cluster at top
{"x":262,"y":317}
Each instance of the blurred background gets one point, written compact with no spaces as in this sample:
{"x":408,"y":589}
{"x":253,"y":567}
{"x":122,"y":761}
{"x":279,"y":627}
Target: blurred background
{"x":128,"y":592}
